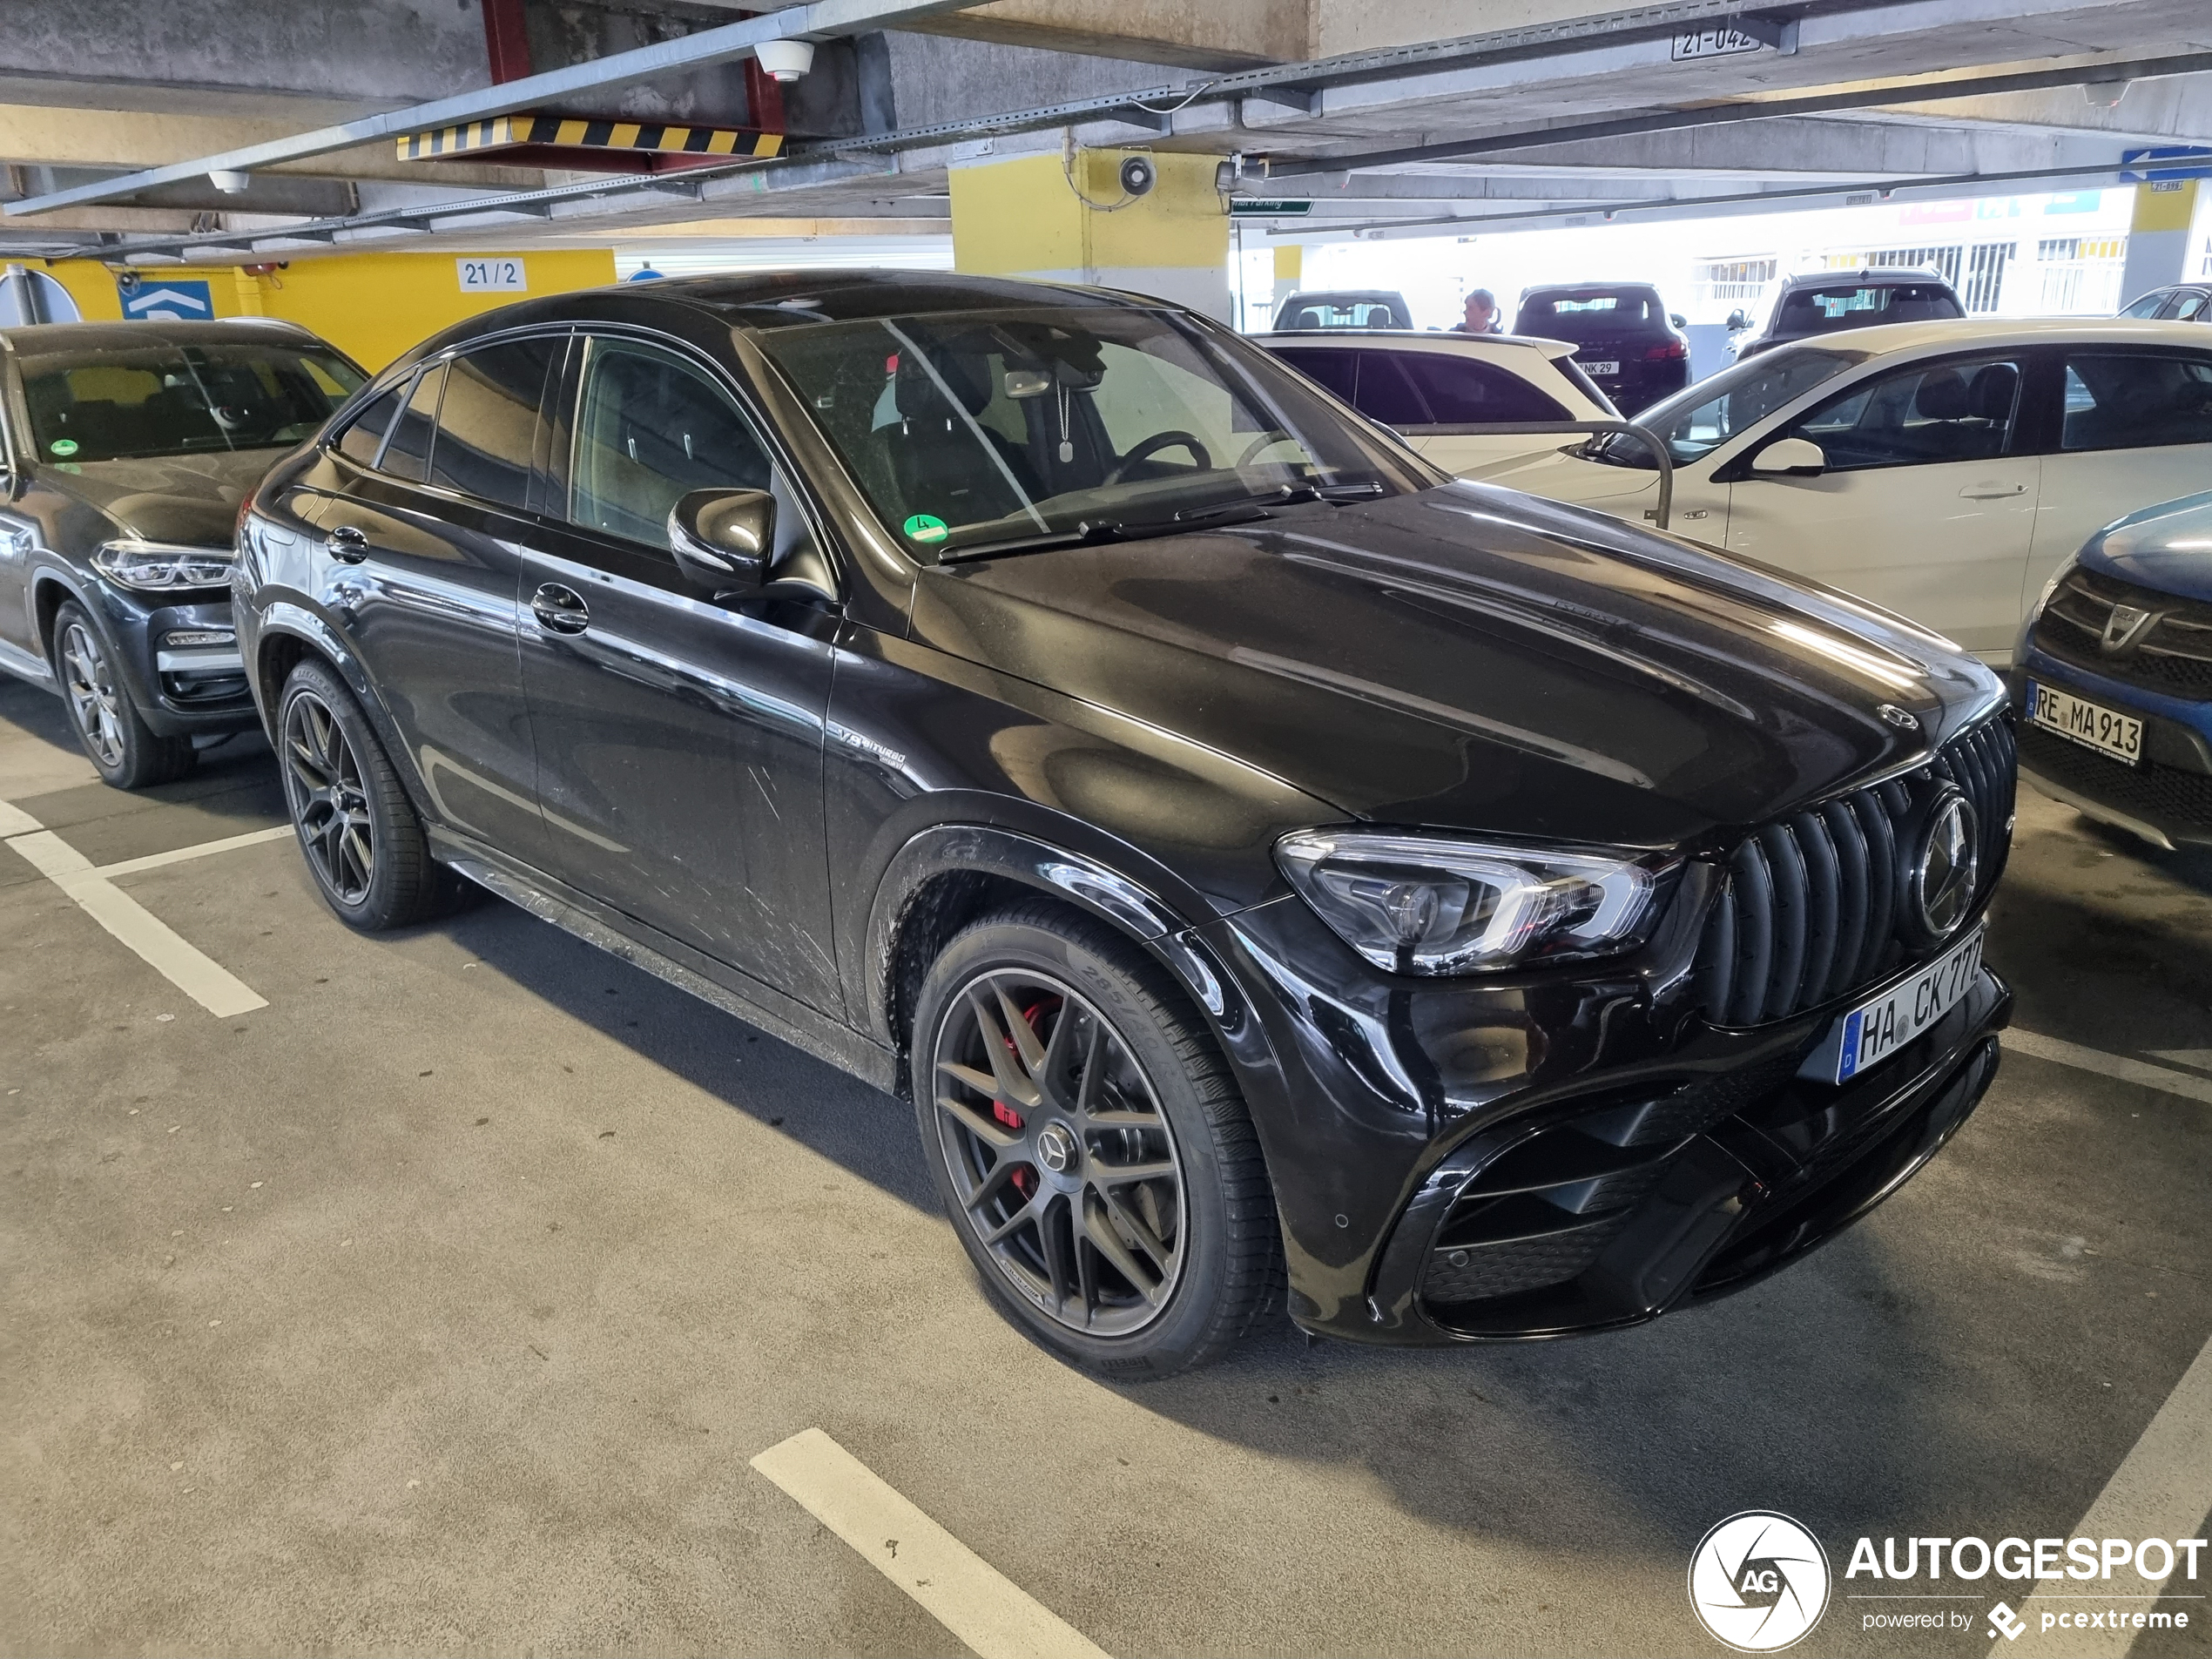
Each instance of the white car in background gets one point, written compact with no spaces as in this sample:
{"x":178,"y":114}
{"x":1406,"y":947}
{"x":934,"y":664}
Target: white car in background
{"x":1444,"y":394}
{"x":1940,"y":469}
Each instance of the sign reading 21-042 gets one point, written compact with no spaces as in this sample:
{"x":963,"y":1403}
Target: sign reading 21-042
{"x":501,"y":275}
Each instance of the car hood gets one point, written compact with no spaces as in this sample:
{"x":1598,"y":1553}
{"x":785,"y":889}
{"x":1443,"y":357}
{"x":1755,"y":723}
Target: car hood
{"x":192,"y":500}
{"x":1475,"y":658}
{"x":2167,"y":547}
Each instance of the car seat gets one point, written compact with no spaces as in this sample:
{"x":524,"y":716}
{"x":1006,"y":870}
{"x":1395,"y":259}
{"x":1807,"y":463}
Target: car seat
{"x":942,"y":462}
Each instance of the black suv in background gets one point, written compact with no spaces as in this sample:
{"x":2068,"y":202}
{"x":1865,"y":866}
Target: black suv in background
{"x":1624,"y":337}
{"x":1827,"y":302}
{"x":1252,"y":852}
{"x":129,"y":450}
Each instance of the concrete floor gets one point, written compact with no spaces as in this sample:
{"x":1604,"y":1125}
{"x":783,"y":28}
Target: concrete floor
{"x":440,"y":1304}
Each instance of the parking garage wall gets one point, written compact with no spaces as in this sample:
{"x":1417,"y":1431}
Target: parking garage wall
{"x":373,"y":307}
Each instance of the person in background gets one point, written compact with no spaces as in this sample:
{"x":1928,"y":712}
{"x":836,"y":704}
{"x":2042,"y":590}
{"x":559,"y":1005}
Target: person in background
{"x":1482,"y":316}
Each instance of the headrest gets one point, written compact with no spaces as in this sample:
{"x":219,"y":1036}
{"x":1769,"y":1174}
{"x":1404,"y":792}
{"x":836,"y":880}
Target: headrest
{"x":1991,"y":398}
{"x":1942,"y":396}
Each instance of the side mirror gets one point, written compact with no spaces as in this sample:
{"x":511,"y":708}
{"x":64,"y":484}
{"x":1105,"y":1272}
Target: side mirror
{"x":1677,"y":319}
{"x":722,"y":538}
{"x":1795,"y":457}
{"x":1737,"y":320}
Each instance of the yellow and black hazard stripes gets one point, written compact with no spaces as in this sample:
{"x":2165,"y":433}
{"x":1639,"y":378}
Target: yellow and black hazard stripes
{"x":505,"y":131}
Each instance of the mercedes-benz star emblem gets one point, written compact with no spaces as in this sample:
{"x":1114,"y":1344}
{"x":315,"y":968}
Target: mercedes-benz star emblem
{"x":2121,"y":626}
{"x":1945,"y":869}
{"x":1055,"y":1149}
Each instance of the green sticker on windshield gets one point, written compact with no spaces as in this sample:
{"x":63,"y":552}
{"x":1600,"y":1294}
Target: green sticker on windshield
{"x":63,"y":446}
{"x":922,"y":526}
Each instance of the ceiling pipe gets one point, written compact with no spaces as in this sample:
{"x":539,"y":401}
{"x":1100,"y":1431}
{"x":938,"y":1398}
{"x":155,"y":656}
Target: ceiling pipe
{"x":709,"y":46}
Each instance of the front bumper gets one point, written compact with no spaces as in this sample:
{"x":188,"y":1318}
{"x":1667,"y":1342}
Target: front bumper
{"x":1458,"y":1162}
{"x":178,"y":689}
{"x":2167,"y":799}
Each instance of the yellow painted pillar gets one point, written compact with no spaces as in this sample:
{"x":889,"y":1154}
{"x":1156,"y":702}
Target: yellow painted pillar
{"x":1067,"y":218}
{"x":2158,"y":238}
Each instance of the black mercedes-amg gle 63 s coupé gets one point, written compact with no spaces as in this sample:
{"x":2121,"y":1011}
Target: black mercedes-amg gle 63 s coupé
{"x":1276,"y":873}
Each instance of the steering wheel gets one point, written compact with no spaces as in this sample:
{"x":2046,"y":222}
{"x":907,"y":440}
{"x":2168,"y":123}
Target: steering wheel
{"x":1148,"y":448}
{"x":1262,"y":444}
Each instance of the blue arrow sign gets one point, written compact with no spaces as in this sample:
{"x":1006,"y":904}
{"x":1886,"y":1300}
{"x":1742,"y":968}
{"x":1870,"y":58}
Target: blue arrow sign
{"x":169,"y":301}
{"x":2195,"y":162}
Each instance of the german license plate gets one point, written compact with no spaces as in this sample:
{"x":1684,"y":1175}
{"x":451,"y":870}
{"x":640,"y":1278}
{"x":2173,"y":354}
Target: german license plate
{"x":1603,"y":369}
{"x":2107,"y":731}
{"x":1877,"y":1029}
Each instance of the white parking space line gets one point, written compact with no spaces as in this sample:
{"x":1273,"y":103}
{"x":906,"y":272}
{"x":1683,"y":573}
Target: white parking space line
{"x":198,"y":976}
{"x":2109,"y":1065}
{"x":200,"y":850}
{"x":987,"y":1610}
{"x":2162,"y":1490}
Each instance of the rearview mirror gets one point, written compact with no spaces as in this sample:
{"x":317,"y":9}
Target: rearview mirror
{"x":1737,"y":320}
{"x":1797,"y":457}
{"x":721,"y":538}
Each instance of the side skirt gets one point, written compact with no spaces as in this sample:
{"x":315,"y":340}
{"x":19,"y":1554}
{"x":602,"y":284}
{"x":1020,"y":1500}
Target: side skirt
{"x":784,"y":1017}
{"x":18,"y":661}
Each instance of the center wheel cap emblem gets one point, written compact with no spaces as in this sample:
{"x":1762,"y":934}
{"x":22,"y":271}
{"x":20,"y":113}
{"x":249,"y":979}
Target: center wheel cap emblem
{"x":1056,"y":1150}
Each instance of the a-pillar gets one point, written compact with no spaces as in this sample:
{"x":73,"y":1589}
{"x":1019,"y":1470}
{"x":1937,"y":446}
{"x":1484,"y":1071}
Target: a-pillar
{"x":1066,"y":217}
{"x":2158,"y":240}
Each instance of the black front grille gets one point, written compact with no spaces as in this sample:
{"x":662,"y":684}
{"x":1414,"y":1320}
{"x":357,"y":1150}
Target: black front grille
{"x":2164,"y":793}
{"x":1813,"y":908}
{"x":2171,"y":653}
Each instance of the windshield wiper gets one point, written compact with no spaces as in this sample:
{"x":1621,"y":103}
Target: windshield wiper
{"x":1091,"y":532}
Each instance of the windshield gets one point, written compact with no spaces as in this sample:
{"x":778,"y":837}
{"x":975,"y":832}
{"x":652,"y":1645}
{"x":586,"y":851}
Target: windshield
{"x":164,"y":399}
{"x":1850,"y":304}
{"x":968,"y":429}
{"x":1697,"y":419}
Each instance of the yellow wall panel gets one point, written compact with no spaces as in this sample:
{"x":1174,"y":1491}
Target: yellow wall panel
{"x":372,"y":307}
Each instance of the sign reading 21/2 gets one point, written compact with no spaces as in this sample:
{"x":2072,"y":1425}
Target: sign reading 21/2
{"x":492,"y":276}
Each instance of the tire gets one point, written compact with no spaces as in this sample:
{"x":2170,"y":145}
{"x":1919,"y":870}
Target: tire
{"x":123,"y":748}
{"x":361,"y":836}
{"x":1052,"y":1059}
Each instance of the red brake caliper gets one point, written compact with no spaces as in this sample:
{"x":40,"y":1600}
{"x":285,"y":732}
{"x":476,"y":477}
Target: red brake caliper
{"x":1024,"y":1177}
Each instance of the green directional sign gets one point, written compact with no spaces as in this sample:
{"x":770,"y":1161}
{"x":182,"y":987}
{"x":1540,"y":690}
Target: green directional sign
{"x":1262,"y":207}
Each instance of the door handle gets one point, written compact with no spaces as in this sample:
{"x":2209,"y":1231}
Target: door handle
{"x":1990,"y":490}
{"x":348,"y":542}
{"x":559,"y":609}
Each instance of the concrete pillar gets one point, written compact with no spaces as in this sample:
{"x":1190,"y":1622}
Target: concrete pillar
{"x":1290,"y":270}
{"x":1066,"y":218}
{"x":2158,"y":238}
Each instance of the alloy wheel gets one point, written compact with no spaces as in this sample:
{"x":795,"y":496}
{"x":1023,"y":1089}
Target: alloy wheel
{"x":1063,"y":1165}
{"x":94,"y":702}
{"x":322,"y":775}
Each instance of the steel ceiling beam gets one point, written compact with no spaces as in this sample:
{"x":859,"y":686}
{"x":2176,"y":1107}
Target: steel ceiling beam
{"x":709,"y":46}
{"x":1750,"y":110}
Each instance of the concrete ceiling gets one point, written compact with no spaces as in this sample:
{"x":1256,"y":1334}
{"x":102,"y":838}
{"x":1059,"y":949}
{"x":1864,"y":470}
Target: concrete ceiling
{"x":1348,"y":102}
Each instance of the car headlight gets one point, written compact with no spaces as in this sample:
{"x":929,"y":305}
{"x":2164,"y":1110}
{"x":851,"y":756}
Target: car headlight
{"x":1423,"y":903}
{"x":2065,"y":568}
{"x":151,"y":567}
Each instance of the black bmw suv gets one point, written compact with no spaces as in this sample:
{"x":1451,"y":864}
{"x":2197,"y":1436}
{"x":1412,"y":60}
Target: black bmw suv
{"x":127,"y":450}
{"x":1270,"y":867}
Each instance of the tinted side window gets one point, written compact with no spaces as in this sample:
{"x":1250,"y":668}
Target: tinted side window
{"x":1461,"y":392}
{"x":2135,"y":401}
{"x":2149,"y":305}
{"x":2187,"y":306}
{"x":487,"y":421}
{"x":1918,"y":416}
{"x":1385,"y":393}
{"x":650,"y":429}
{"x":366,"y":435}
{"x":1338,"y":370}
{"x":407,"y":455}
